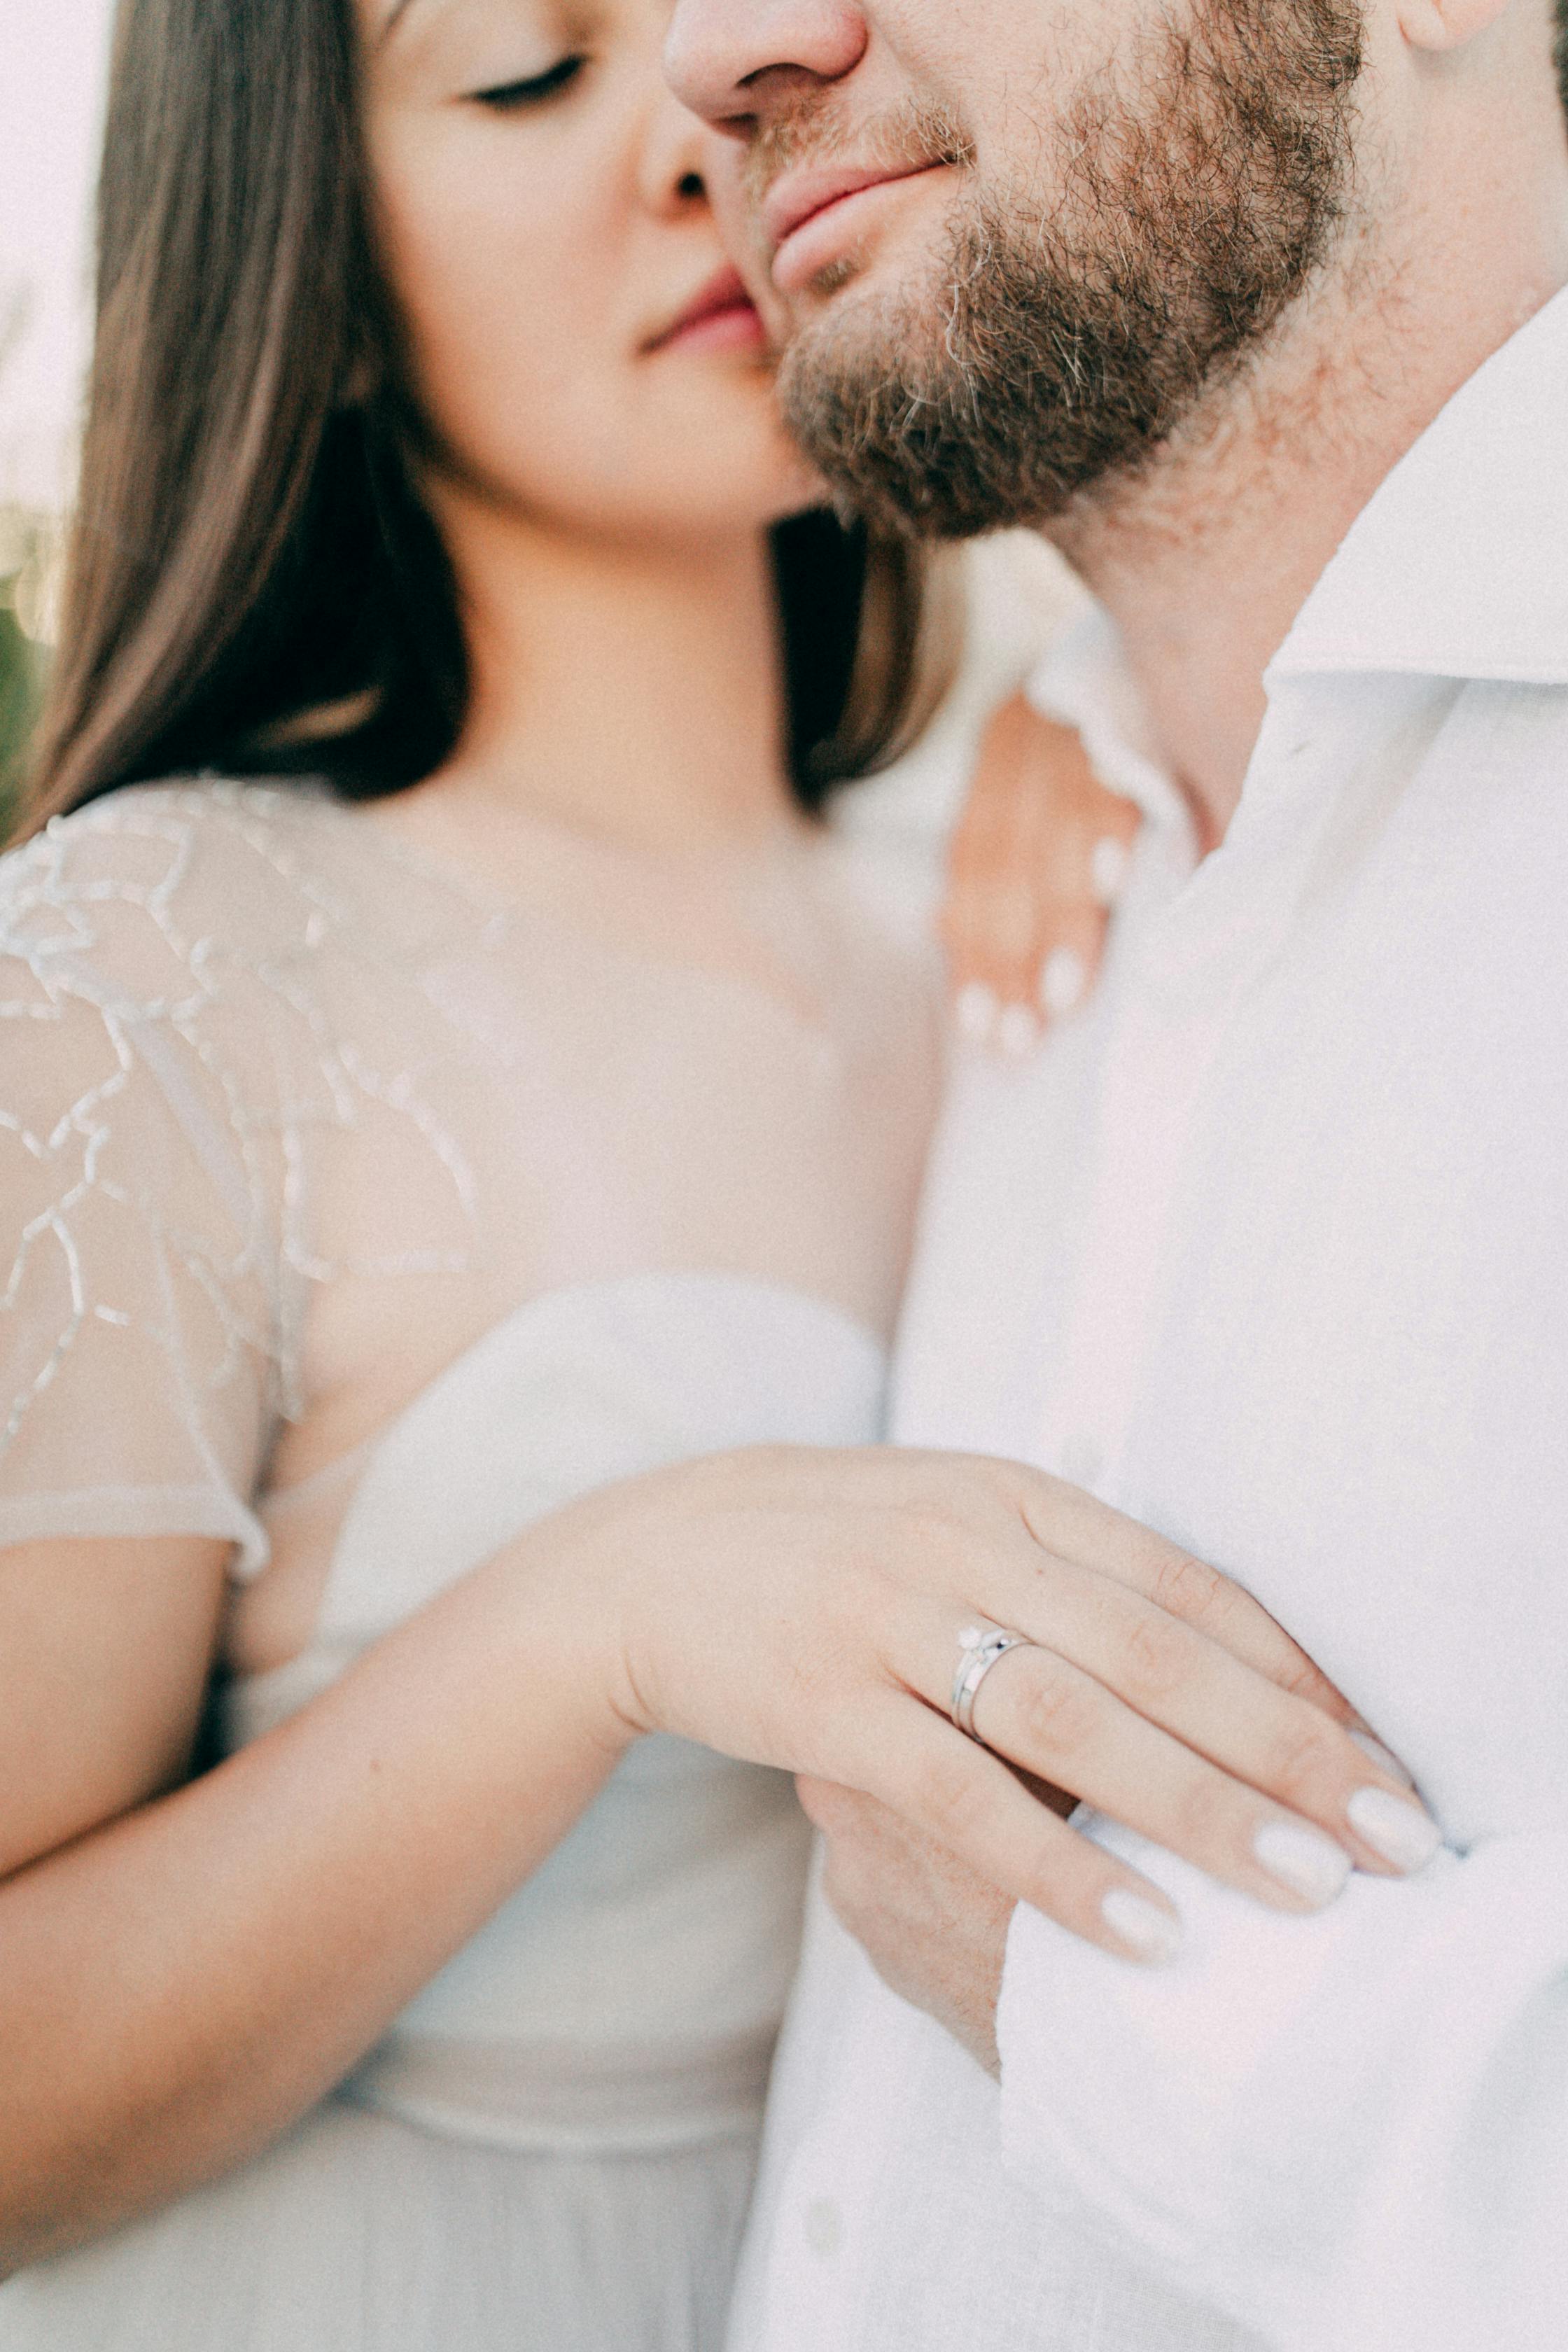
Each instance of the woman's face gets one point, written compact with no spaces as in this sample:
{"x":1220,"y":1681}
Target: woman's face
{"x":580,"y":343}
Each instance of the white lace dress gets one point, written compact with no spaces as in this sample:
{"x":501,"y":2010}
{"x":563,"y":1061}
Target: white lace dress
{"x":356,"y":1217}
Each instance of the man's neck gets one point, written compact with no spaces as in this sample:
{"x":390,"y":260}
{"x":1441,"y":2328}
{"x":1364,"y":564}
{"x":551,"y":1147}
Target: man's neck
{"x":1204,"y":558}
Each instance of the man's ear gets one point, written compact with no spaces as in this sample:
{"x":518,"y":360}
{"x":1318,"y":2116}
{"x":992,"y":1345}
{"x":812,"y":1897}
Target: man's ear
{"x":1437,"y":25}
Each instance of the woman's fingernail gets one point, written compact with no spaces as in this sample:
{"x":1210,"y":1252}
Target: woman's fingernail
{"x":1108,"y":863}
{"x":1153,"y":1935}
{"x":1062,"y":982}
{"x":976,"y":1013}
{"x":1304,"y":1860}
{"x":1383,"y":1757}
{"x":1404,"y":1833}
{"x":1017,"y":1032}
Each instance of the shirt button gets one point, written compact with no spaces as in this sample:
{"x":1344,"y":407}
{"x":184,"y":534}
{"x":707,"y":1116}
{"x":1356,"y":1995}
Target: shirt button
{"x":824,"y":2227}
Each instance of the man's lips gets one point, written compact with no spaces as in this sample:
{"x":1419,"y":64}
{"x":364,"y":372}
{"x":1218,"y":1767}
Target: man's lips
{"x":795,"y":212}
{"x":721,"y":315}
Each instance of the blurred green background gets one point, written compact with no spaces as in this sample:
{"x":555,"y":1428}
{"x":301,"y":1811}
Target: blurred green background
{"x":23,"y":555}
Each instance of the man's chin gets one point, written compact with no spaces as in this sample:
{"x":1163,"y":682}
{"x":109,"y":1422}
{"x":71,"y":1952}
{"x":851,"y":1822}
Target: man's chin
{"x":854,"y":371}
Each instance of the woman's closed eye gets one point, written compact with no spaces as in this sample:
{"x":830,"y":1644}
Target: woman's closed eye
{"x":533,"y":90}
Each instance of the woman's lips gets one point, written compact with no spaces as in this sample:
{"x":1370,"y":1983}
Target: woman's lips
{"x":721,"y":316}
{"x":811,"y":218}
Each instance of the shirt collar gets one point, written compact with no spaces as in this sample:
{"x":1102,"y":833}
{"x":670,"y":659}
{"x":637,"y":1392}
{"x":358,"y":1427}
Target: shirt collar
{"x":1458,"y":566}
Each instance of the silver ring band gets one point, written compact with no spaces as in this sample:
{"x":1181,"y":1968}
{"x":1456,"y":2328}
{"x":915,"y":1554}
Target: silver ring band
{"x":980,"y":1646}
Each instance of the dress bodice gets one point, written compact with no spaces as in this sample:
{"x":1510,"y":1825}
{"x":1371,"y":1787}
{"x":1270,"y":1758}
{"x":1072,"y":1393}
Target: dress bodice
{"x":365,"y":1218}
{"x":632,"y":1987}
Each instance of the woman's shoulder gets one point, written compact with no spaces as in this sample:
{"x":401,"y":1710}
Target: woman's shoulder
{"x":154,"y":841}
{"x":161,"y":893}
{"x":143,"y":1241}
{"x":159,"y":959}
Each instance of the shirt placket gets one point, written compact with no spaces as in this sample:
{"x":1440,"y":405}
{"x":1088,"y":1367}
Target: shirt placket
{"x":1195,"y":943}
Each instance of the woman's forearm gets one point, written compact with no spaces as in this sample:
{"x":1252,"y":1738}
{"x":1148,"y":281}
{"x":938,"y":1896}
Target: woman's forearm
{"x":178,"y":1987}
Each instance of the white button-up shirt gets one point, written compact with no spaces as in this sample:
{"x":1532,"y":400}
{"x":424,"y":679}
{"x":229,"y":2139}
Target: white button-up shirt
{"x":1270,"y":1247}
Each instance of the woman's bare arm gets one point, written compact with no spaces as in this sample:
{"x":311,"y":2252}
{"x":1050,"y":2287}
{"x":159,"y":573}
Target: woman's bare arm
{"x":181,"y":1975}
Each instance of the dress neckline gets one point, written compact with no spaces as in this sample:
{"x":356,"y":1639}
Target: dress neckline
{"x":559,"y":1300}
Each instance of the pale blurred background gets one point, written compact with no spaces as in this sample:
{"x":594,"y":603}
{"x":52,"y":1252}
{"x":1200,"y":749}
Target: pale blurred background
{"x":53,"y":55}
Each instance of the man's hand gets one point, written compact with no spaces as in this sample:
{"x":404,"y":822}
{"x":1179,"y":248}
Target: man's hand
{"x":934,"y":1931}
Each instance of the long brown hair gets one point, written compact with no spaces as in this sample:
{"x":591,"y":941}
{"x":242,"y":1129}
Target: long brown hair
{"x":254,"y":582}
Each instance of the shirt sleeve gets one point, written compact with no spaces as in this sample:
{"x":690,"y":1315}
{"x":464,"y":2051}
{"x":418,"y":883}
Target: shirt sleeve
{"x":136,"y":1293}
{"x":1348,"y":2131}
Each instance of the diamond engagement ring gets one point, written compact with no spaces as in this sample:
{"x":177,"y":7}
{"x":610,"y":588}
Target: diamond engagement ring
{"x":979,"y":1647}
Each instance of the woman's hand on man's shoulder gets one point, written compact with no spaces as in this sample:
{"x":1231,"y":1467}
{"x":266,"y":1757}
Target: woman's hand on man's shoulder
{"x":1035,"y":868}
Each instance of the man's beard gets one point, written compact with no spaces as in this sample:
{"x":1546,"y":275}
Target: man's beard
{"x":1055,"y":351}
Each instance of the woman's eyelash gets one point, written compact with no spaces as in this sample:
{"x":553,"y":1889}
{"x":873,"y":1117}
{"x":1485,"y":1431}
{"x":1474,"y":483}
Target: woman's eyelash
{"x":508,"y":95}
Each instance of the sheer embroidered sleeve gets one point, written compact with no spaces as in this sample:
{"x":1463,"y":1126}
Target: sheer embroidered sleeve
{"x":139,"y":1305}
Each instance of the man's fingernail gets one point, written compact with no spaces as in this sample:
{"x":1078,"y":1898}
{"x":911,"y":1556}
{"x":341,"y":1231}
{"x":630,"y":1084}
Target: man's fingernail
{"x":1383,"y":1757}
{"x":1062,"y":982}
{"x":1017,"y":1032}
{"x":976,"y":1011}
{"x":1150,"y":1932}
{"x":1304,"y":1860}
{"x":1404,"y":1833}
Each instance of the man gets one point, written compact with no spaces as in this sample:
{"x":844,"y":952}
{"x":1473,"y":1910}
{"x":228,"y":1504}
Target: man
{"x":1255,"y":308}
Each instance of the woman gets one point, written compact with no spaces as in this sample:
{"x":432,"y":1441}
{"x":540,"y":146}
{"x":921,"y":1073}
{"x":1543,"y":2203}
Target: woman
{"x":409,"y":1178}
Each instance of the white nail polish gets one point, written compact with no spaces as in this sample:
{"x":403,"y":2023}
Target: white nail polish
{"x":1383,"y":1757}
{"x":1108,"y":863}
{"x":1154,"y":1935}
{"x":1402,"y":1832}
{"x":1062,"y":982}
{"x":976,"y":1013}
{"x":1017,"y":1032}
{"x":1304,"y":1860}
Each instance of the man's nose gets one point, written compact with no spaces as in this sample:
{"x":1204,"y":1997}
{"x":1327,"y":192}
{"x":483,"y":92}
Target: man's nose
{"x":736,"y":61}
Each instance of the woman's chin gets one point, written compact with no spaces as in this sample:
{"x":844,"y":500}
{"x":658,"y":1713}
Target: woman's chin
{"x":757,"y":486}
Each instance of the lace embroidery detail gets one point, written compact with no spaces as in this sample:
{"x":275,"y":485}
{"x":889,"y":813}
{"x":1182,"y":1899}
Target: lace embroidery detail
{"x":262,"y":1069}
{"x":113,"y":917}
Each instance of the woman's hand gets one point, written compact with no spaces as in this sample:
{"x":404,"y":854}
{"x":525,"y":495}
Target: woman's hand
{"x":1035,"y":865}
{"x":805,"y":1608}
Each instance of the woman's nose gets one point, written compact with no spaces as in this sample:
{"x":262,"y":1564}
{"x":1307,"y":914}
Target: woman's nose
{"x":677,"y":155}
{"x":738,"y":61}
